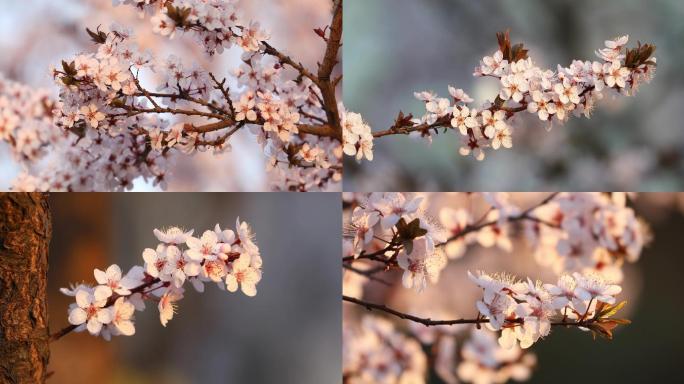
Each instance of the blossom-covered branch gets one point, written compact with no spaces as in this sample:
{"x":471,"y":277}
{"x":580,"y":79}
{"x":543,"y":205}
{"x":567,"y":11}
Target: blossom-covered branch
{"x":232,"y":260}
{"x":573,"y":305}
{"x":570,"y":232}
{"x":583,"y":237}
{"x":113,"y":127}
{"x":552,"y":96}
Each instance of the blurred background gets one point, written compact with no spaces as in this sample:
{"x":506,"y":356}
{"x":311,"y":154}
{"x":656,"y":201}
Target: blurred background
{"x":289,"y":333}
{"x":396,"y":47}
{"x":647,"y":351}
{"x":35,"y":34}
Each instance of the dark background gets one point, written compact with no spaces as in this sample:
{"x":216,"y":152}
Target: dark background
{"x":396,"y":47}
{"x":288,"y":333}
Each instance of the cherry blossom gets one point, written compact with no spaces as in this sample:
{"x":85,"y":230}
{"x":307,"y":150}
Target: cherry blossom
{"x":552,"y":96}
{"x":108,"y":129}
{"x":585,"y":238}
{"x":122,"y":313}
{"x":357,"y":137}
{"x":111,"y":278}
{"x":89,"y":310}
{"x":242,"y":273}
{"x":378,"y":353}
{"x":219,"y":256}
{"x":421,"y":265}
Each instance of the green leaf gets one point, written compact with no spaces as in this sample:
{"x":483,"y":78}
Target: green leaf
{"x":610,"y":310}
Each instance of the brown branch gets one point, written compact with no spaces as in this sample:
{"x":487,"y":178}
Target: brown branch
{"x":324,"y":130}
{"x":525,"y":215}
{"x":285,"y":59}
{"x":330,"y":60}
{"x":334,"y":42}
{"x":443,"y":122}
{"x":369,"y":274}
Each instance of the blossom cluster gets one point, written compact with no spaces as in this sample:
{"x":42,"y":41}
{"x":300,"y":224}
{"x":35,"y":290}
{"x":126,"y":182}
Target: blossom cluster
{"x":524,"y":310}
{"x":589,"y":233}
{"x":483,"y":360}
{"x":417,"y":235}
{"x":377,"y":353}
{"x":213,"y":24}
{"x":415,"y":239}
{"x":117,"y":129}
{"x":59,"y":160}
{"x":229,"y":259}
{"x":551,"y":96}
{"x":25,"y":116}
{"x":357,"y":136}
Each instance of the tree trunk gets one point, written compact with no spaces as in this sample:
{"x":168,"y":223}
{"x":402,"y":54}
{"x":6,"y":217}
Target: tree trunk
{"x":25,"y":230}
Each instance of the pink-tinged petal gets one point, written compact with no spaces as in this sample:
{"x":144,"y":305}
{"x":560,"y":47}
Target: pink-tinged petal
{"x":149,"y":255}
{"x":104,"y":316}
{"x":173,"y":253}
{"x":114,"y":273}
{"x":193,"y":242}
{"x":195,"y":254}
{"x":242,"y":262}
{"x":249,"y":289}
{"x":77,"y":316}
{"x":612,"y":290}
{"x":101,"y":294}
{"x":507,"y":339}
{"x":231,"y":283}
{"x":192,"y":269}
{"x":94,"y":326}
{"x":83,"y":298}
{"x":178,"y":278}
{"x":407,"y":279}
{"x":100,"y":276}
{"x":126,"y":309}
{"x":209,"y":237}
{"x":126,"y":327}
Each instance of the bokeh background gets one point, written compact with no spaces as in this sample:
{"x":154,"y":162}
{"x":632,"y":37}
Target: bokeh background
{"x":289,"y":333}
{"x":647,"y":351}
{"x":35,"y":34}
{"x":395,"y":47}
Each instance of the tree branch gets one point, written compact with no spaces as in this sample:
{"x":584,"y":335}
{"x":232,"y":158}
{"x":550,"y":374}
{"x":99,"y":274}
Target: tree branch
{"x":430,"y":322}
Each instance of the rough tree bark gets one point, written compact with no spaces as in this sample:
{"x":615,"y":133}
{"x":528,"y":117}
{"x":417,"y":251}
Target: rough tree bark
{"x":25,"y":230}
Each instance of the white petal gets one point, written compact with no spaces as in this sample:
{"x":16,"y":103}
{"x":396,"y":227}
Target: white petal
{"x":77,"y":316}
{"x":126,"y":327}
{"x":249,"y":289}
{"x":231,"y":283}
{"x":100,"y":276}
{"x":94,"y":326}
{"x":83,"y":298}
